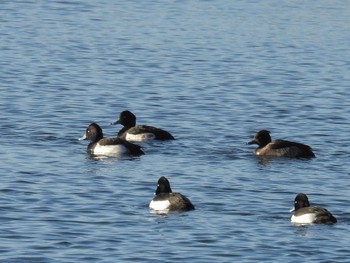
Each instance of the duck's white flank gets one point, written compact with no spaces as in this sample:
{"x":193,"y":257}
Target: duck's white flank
{"x":110,"y":149}
{"x":303,"y":219}
{"x":142,"y":137}
{"x":159,"y":205}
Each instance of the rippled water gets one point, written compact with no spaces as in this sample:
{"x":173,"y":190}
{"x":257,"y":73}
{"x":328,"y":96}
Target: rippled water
{"x":210,"y":72}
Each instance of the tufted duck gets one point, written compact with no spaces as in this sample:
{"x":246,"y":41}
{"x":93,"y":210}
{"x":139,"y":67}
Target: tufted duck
{"x":279,"y":148}
{"x":108,"y":146}
{"x":165,"y":200}
{"x":306,"y":214}
{"x":139,"y":133}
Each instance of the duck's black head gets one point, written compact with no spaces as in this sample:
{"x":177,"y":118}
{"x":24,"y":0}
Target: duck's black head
{"x":301,"y":201}
{"x":261,"y":138}
{"x":93,"y":133}
{"x":163,"y":186}
{"x":126,"y":118}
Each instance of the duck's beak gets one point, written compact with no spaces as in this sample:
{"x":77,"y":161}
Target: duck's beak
{"x":115,"y":122}
{"x":251,"y":142}
{"x":292,"y":210}
{"x":83,"y":137}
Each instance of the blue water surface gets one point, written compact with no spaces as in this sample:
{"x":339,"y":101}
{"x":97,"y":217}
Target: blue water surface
{"x":210,"y":72}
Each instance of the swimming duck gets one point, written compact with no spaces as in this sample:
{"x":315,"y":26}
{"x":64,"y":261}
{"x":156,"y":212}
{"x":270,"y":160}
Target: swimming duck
{"x":306,"y":214}
{"x":165,"y":200}
{"x":139,"y":133}
{"x":279,"y":148}
{"x":107,"y":146}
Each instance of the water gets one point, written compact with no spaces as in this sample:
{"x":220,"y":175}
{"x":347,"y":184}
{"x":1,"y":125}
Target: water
{"x":210,"y":72}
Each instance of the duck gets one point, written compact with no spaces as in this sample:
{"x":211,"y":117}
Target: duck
{"x":108,"y":146}
{"x":139,"y":133}
{"x":279,"y":148}
{"x":165,"y":200}
{"x":305,"y":214}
